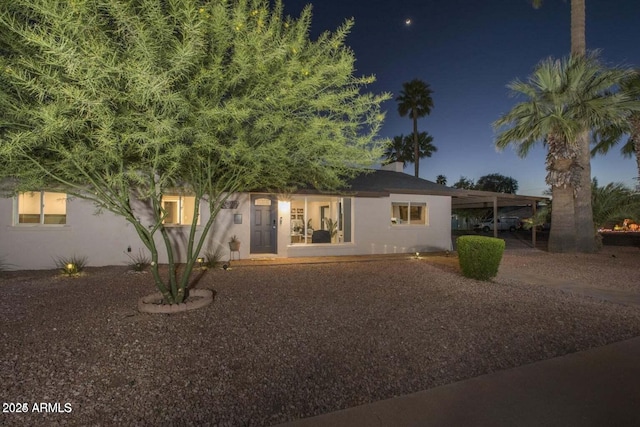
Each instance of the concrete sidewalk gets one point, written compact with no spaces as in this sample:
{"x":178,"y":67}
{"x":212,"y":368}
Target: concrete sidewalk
{"x":597,"y":387}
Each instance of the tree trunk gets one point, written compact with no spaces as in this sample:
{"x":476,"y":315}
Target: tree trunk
{"x":585,"y":230}
{"x":636,"y":144}
{"x":578,"y":31}
{"x":416,"y":148}
{"x":635,"y":137}
{"x":562,"y":236}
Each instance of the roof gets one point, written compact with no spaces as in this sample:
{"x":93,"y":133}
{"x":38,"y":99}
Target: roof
{"x":381,"y":183}
{"x":384,"y":182}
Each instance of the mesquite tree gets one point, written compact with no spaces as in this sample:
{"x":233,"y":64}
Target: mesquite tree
{"x":120,"y":101}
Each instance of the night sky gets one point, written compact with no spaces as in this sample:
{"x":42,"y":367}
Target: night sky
{"x":468,"y":50}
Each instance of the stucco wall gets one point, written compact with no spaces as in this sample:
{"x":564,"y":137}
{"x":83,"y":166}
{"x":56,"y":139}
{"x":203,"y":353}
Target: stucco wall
{"x":374,"y":233}
{"x":104,"y":238}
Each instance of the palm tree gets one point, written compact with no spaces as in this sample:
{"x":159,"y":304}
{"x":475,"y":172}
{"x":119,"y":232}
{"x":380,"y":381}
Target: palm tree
{"x":400,"y":149}
{"x":565,"y":98}
{"x":614,"y":202}
{"x":441,"y":179}
{"x":583,"y":210}
{"x":612,"y":135}
{"x":396,"y":151}
{"x":415,"y":100}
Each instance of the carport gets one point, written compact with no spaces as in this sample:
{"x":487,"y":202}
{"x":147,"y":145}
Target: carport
{"x":473,"y":199}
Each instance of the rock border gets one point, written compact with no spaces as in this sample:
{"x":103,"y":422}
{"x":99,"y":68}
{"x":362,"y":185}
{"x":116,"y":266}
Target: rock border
{"x":153,"y":303}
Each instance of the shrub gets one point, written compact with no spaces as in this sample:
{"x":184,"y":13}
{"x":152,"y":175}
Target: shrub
{"x":139,"y":262}
{"x":71,"y":266}
{"x":213,"y":258}
{"x":479,"y":256}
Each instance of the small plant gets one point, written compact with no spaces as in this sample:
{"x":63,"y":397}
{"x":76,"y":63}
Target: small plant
{"x":212,"y":259}
{"x":234,"y":243}
{"x":479,"y":256}
{"x":4,"y":266}
{"x":71,"y":266}
{"x":139,"y":262}
{"x":332,"y":226}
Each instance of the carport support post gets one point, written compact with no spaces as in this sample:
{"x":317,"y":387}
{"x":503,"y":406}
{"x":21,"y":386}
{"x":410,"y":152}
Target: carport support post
{"x":533,"y":229}
{"x":495,"y":216}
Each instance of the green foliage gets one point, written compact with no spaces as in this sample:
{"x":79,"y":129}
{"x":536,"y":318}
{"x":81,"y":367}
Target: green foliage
{"x":613,"y":203}
{"x":117,"y":100}
{"x":563,"y":98}
{"x":441,"y":179}
{"x":401,"y":148}
{"x":332,"y":226}
{"x":71,"y":266}
{"x":497,"y":183}
{"x":465,"y":183}
{"x":213,"y":258}
{"x":479,"y":256}
{"x":415,"y":101}
{"x":139,"y":262}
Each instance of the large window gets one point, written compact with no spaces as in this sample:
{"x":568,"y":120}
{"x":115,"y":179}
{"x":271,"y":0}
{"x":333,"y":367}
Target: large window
{"x":409,"y":213}
{"x":42,"y":207}
{"x":321,"y":219}
{"x":179,"y":209}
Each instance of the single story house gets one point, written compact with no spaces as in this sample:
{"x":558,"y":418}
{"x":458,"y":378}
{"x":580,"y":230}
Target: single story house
{"x":382,"y":212}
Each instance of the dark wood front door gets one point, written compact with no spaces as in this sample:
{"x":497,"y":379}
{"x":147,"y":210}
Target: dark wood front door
{"x":264,"y":212}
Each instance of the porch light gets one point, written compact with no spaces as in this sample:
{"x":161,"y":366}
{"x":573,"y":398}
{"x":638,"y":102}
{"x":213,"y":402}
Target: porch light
{"x":284,"y":206}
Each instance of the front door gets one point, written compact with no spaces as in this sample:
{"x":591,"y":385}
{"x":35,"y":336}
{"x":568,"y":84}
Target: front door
{"x":264,"y":213}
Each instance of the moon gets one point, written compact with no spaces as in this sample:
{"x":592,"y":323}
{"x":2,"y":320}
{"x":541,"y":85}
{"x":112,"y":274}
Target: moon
{"x":408,"y":22}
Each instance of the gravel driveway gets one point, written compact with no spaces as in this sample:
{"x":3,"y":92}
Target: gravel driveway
{"x":288,"y":341}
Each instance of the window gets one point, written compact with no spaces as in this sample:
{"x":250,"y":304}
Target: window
{"x":409,"y":213}
{"x":321,"y":219}
{"x":42,"y":207}
{"x":179,"y":209}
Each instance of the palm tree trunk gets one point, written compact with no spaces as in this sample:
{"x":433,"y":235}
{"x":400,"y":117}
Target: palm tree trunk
{"x":636,"y":144}
{"x":562,"y":176}
{"x":416,"y":148}
{"x":585,"y":230}
{"x":578,"y":32}
{"x":562,"y":236}
{"x":635,"y":137}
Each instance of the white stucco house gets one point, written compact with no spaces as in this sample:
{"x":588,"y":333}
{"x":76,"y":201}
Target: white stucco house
{"x":385,"y":211}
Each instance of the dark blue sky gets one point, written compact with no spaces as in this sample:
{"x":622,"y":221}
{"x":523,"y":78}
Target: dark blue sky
{"x":468,"y":50}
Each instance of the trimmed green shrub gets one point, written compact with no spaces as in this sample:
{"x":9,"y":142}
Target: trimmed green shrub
{"x":479,"y":256}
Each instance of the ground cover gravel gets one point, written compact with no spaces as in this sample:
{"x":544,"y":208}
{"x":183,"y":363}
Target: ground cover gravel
{"x":288,"y":341}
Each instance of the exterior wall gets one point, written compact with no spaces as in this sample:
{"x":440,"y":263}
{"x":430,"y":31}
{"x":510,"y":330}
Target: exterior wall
{"x":104,"y":238}
{"x":373,"y":232}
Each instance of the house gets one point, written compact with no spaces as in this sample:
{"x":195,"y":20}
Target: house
{"x":382,"y":212}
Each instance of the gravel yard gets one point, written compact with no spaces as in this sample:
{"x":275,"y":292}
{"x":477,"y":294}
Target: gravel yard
{"x":290,"y":341}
